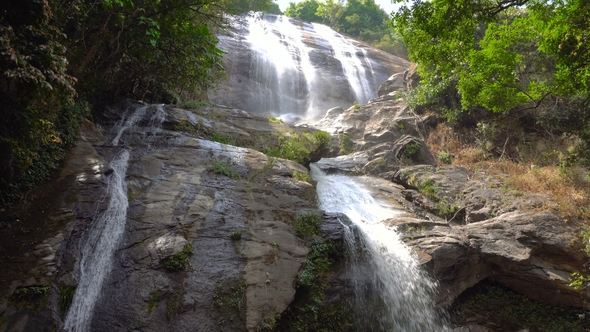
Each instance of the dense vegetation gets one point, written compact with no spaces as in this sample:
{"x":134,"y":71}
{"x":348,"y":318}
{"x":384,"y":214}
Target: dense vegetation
{"x":523,"y":59}
{"x":60,"y":58}
{"x":362,"y":19}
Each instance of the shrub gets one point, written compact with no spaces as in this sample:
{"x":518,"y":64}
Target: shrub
{"x":223,"y":168}
{"x":445,"y":157}
{"x":346,"y":144}
{"x":307,"y":224}
{"x":179,"y":261}
{"x":302,"y":176}
{"x":428,"y":187}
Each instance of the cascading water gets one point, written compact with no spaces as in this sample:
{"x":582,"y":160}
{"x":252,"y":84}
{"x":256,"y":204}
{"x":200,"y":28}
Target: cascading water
{"x":400,"y":293}
{"x":289,"y":68}
{"x":97,"y":252}
{"x":347,"y":54}
{"x":106,"y":231}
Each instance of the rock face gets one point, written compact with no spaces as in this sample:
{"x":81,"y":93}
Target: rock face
{"x":289,"y":68}
{"x":245,"y":256}
{"x":385,"y":132}
{"x":519,"y":241}
{"x":467,"y":227}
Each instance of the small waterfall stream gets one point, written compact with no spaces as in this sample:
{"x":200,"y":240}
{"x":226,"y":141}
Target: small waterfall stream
{"x":104,"y":235}
{"x":382,"y":268}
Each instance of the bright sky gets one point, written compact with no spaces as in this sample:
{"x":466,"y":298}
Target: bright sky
{"x":385,"y":4}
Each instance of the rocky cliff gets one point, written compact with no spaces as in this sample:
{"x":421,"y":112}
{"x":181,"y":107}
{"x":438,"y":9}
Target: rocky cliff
{"x":290,"y":68}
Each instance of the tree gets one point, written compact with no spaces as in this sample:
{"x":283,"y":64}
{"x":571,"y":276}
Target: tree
{"x":36,"y":92}
{"x":305,"y":10}
{"x":509,"y":56}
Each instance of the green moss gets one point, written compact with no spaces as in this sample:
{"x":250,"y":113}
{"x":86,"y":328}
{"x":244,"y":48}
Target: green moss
{"x":30,"y":298}
{"x":307,"y":224}
{"x":236,"y":235}
{"x":66,"y":295}
{"x":179,"y":261}
{"x":298,"y":147}
{"x":154,"y":301}
{"x":445,"y":157}
{"x":173,"y":306}
{"x":223,"y":168}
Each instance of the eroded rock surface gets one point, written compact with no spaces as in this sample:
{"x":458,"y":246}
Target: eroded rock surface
{"x":477,"y":230}
{"x":234,"y":207}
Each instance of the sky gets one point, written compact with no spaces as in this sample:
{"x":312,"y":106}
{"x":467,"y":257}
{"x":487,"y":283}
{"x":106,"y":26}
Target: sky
{"x":385,"y":4}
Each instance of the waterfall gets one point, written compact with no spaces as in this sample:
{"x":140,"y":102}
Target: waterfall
{"x":400,"y":293}
{"x":104,"y":235}
{"x":288,"y":68}
{"x":348,"y":55}
{"x":101,"y":243}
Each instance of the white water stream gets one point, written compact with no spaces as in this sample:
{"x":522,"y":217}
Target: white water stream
{"x":104,"y":235}
{"x":383,"y":269}
{"x":297,"y":69}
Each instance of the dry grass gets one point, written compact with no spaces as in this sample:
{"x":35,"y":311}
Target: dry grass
{"x":535,"y":171}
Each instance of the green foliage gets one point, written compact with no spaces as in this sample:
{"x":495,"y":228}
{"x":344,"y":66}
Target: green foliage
{"x":229,"y":298}
{"x":274,"y":120}
{"x":223,"y":139}
{"x":141,"y":49}
{"x":525,"y":59}
{"x":447,"y":209}
{"x":302,"y":176}
{"x":319,"y":260}
{"x":30,"y":291}
{"x":428,"y":187}
{"x":154,"y":301}
{"x":346,"y":144}
{"x":237,"y":7}
{"x":305,"y":10}
{"x":586,"y":240}
{"x":363,"y":19}
{"x":223,"y":168}
{"x":178,"y":261}
{"x":445,"y":157}
{"x":66,"y":295}
{"x":37,"y":97}
{"x":236,"y":235}
{"x":309,"y":312}
{"x":492,"y":303}
{"x":307,"y":224}
{"x":298,"y":147}
{"x":356,"y":106}
{"x":578,"y":280}
{"x":410,"y":152}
